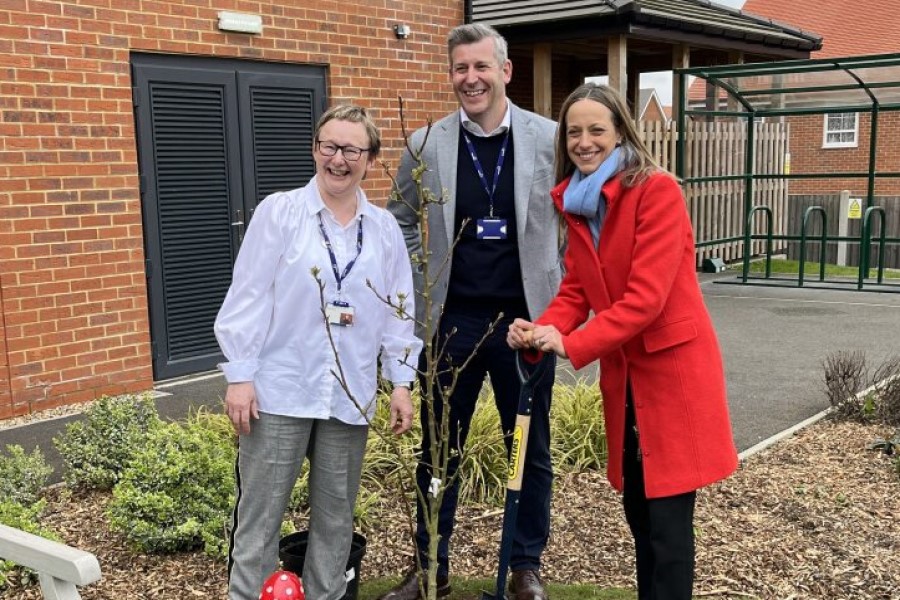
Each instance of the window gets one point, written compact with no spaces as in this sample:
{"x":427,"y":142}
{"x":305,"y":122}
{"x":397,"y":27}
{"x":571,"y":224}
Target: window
{"x":840,"y":130}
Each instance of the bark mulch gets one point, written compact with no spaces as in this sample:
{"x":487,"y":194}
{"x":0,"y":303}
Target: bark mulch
{"x":814,"y":517}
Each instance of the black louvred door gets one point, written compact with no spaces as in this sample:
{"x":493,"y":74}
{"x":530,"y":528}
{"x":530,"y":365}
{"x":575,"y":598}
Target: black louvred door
{"x":282,"y":112}
{"x":213,"y":141}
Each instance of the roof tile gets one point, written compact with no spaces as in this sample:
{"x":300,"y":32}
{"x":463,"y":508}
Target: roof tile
{"x":847,"y":28}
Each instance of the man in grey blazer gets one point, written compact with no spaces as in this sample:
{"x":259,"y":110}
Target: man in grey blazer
{"x":493,"y":248}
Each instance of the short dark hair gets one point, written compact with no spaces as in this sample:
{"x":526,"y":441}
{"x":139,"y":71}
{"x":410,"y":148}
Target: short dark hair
{"x":473,"y":33}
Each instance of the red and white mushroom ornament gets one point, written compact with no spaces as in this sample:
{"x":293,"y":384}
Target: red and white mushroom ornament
{"x":282,"y":585}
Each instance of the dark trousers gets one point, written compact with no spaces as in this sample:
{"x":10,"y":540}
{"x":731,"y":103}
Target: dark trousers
{"x":663,"y":529}
{"x":494,"y":358}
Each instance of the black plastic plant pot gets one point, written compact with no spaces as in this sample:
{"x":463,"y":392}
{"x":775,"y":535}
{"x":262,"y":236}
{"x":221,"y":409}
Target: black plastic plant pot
{"x":292,"y":552}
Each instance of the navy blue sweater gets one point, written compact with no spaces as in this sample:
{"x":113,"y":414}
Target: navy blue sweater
{"x":486,"y":277}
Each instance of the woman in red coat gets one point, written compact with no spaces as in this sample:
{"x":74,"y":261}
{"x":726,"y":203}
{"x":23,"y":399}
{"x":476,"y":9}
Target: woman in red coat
{"x":630,"y":281}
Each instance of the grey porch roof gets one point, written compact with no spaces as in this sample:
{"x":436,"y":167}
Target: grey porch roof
{"x":695,"y":17}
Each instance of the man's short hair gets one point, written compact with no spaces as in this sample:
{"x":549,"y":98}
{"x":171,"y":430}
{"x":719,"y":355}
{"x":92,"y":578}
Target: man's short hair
{"x":473,"y":33}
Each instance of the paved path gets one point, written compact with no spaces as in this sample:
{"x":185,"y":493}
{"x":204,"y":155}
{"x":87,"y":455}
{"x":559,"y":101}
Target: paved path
{"x":774,"y":341}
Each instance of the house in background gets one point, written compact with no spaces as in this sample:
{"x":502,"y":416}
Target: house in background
{"x":819,"y":145}
{"x":838,"y":141}
{"x":649,"y":108}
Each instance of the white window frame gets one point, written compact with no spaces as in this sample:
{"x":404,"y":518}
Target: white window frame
{"x":825,"y":131}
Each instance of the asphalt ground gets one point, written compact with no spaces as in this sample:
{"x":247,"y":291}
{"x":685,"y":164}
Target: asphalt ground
{"x":774,"y":341}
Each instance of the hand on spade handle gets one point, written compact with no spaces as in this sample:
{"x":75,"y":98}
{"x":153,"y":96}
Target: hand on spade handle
{"x":545,"y":338}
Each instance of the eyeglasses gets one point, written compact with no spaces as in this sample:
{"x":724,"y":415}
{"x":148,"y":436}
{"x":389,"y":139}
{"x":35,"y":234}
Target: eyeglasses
{"x":349,"y":152}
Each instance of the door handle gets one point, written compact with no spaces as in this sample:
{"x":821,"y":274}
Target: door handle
{"x":238,"y":225}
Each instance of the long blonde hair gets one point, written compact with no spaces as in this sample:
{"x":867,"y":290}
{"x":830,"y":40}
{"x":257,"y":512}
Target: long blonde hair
{"x":638,"y":163}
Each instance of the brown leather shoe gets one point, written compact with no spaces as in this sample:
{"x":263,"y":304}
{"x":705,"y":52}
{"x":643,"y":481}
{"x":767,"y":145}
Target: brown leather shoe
{"x":408,"y":589}
{"x":526,"y":585}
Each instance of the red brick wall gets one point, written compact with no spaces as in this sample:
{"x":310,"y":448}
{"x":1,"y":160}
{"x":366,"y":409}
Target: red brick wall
{"x":74,"y":302}
{"x":808,"y":156}
{"x":653,"y":113}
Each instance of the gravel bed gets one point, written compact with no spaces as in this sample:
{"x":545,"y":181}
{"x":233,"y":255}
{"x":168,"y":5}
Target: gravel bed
{"x":813,"y":517}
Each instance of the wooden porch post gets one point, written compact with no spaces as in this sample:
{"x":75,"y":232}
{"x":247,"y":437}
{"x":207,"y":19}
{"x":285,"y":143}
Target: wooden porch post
{"x":617,"y":64}
{"x":735,"y":57}
{"x":681,"y":58}
{"x":543,"y":80}
{"x":633,"y":85}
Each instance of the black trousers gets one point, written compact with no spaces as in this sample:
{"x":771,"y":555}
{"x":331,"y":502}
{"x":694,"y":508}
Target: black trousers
{"x":663,"y":528}
{"x":495,"y":359}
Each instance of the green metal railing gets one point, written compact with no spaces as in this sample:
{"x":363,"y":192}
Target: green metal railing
{"x":823,"y":239}
{"x":865,"y":241}
{"x":865,"y":246}
{"x":748,"y":237}
{"x":726,"y":78}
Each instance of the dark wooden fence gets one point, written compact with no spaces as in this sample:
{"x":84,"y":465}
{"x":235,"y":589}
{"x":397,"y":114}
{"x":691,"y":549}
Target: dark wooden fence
{"x":797,"y":205}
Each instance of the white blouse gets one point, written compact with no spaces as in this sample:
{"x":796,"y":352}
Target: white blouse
{"x":271,"y":327}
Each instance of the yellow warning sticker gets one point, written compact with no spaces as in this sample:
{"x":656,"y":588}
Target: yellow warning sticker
{"x":854,"y":209}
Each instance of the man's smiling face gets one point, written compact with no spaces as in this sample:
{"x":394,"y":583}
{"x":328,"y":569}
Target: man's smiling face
{"x":480,"y":81}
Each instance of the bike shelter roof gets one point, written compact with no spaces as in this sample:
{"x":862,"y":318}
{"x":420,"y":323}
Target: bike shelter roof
{"x":857,"y":83}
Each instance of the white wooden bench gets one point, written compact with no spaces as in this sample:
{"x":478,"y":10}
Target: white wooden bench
{"x":60,"y":568}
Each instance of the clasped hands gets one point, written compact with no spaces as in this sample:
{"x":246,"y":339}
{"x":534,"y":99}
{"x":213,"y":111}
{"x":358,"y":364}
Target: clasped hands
{"x":525,"y":334}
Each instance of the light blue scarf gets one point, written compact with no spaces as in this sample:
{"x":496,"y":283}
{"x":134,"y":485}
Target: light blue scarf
{"x":583,"y":196}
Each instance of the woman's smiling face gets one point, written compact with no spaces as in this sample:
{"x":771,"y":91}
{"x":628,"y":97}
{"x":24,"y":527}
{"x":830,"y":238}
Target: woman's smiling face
{"x":591,"y":135}
{"x":338,"y":177}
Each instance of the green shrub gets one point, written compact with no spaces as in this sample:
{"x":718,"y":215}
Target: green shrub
{"x":484,"y":466}
{"x":388,"y":456}
{"x":365,"y":509}
{"x":177,"y":492}
{"x":887,"y":391}
{"x":98,"y":447}
{"x":23,"y":476}
{"x":847,"y":374}
{"x":578,"y":443}
{"x":216,"y":423}
{"x":577,"y":429}
{"x":27,"y":518}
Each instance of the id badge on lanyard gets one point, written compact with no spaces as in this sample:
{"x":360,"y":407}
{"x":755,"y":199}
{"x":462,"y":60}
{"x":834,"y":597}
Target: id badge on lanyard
{"x":489,"y":227}
{"x":339,"y":312}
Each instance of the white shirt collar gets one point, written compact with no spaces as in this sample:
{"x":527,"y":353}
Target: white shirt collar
{"x":318,"y":205}
{"x":475,"y":129}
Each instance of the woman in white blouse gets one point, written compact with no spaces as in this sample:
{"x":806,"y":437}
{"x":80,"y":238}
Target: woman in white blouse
{"x":283,"y":397}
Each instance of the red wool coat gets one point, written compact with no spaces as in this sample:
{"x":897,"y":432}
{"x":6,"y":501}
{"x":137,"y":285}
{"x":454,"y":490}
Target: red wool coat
{"x":651,"y":329}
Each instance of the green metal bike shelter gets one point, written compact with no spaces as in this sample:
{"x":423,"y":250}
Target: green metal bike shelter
{"x":756,"y":92}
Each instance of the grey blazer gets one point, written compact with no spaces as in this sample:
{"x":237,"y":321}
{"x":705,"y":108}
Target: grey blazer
{"x":536,"y":218}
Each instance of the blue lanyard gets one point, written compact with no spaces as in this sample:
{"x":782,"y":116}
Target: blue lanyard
{"x":493,"y":188}
{"x":339,"y":277}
